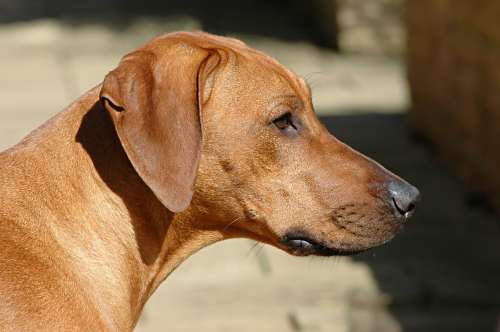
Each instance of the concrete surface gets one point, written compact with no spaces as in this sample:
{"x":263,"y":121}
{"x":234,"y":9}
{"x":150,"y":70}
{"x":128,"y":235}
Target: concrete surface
{"x":441,"y":274}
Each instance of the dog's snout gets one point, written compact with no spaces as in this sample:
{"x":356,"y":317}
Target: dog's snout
{"x":404,"y":197}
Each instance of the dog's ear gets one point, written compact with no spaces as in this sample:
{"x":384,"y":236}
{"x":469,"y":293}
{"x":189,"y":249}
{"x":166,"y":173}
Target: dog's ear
{"x":155,"y":107}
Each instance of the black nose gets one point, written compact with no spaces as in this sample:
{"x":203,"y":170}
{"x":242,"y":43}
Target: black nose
{"x":404,"y":197}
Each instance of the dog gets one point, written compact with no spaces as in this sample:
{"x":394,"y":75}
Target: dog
{"x":192,"y":139}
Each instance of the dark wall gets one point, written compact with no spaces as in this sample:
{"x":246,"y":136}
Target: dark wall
{"x":285,"y":19}
{"x":453,"y":69}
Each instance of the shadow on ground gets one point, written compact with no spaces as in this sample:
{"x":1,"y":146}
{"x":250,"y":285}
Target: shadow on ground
{"x":442,"y":273}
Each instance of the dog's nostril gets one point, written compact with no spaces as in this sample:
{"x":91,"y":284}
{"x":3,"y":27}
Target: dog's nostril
{"x":401,"y":209}
{"x":411,"y":208}
{"x":404,"y":197}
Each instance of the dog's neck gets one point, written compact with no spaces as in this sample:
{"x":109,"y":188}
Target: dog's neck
{"x":127,"y":241}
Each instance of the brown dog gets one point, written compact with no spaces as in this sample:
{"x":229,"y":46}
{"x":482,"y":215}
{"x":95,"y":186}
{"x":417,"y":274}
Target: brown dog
{"x":192,"y":139}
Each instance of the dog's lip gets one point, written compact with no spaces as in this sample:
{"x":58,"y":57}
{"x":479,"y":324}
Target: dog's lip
{"x":303,"y":245}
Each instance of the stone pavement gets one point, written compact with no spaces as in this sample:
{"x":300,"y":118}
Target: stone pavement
{"x":441,"y":274}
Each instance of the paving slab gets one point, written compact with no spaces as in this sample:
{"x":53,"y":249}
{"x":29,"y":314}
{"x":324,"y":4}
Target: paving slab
{"x":226,"y":288}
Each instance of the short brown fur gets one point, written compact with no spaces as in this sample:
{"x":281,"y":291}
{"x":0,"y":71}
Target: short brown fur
{"x":174,"y":151}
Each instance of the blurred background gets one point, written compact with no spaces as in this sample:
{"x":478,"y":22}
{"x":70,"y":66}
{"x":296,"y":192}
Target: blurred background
{"x":414,"y":84}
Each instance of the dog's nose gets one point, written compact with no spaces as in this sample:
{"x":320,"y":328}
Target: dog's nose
{"x":404,"y":197}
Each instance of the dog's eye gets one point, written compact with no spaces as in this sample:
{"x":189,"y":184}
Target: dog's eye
{"x":285,"y":122}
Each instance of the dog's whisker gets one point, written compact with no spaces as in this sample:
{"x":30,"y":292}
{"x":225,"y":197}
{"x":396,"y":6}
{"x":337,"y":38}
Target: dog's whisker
{"x":310,"y":75}
{"x":232,"y":223}
{"x":259,"y":249}
{"x":252,"y":248}
{"x":309,"y":78}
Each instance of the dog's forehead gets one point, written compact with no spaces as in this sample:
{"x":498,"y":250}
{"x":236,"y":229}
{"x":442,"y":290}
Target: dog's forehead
{"x":191,"y":41}
{"x":266,"y":72}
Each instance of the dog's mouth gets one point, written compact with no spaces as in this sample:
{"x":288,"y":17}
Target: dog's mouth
{"x":302,"y":245}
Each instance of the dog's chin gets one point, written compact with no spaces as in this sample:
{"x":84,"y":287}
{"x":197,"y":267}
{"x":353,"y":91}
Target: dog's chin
{"x":301,"y":245}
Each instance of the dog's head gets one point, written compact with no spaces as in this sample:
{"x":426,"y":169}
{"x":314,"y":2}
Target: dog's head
{"x":228,"y":133}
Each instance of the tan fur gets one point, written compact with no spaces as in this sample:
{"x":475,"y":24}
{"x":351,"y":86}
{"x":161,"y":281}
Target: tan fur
{"x":101,"y":203}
